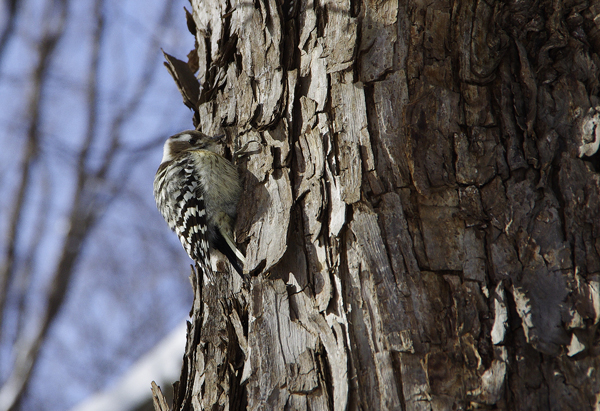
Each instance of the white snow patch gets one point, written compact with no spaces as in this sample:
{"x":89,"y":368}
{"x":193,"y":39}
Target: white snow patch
{"x":161,"y":364}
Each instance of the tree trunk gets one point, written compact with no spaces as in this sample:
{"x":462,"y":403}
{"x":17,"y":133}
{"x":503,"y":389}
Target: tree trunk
{"x":422,"y":219}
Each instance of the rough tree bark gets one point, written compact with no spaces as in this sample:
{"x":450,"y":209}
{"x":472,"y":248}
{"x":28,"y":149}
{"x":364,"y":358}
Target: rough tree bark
{"x":422,"y":221}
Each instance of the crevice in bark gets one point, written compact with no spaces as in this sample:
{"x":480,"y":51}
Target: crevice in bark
{"x":325,"y":371}
{"x":397,"y":369}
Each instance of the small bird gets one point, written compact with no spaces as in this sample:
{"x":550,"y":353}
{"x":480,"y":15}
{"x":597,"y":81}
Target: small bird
{"x":197,"y":191}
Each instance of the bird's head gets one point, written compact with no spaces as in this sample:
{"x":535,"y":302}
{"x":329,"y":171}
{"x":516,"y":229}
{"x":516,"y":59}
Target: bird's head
{"x":186,"y":140}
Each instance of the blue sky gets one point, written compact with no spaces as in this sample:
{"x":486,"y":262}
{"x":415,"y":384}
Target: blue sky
{"x":130,"y":285}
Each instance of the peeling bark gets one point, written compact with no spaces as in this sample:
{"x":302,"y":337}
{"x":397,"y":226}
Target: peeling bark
{"x":423,"y":217}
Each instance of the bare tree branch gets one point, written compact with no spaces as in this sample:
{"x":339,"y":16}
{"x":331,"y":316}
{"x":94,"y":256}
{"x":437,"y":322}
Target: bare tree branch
{"x":13,"y":7}
{"x":22,"y":286}
{"x":140,"y":92}
{"x":46,"y":51}
{"x":89,"y":203}
{"x":14,"y":387}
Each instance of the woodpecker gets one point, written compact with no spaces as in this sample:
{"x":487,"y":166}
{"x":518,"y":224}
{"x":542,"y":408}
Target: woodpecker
{"x":197,"y":191}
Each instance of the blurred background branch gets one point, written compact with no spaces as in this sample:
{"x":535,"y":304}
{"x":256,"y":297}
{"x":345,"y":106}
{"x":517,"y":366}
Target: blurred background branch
{"x":90,"y":278}
{"x":11,"y":10}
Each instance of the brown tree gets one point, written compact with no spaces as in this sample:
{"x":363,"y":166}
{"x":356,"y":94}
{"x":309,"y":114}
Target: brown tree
{"x":422,"y":219}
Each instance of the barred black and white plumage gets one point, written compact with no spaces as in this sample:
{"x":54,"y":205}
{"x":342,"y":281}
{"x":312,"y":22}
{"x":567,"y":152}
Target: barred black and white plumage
{"x":197,"y":191}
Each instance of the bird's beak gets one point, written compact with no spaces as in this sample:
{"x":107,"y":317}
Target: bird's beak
{"x":218,"y":138}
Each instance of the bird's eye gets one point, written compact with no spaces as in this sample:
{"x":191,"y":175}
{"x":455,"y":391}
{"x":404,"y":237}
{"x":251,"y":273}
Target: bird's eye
{"x":193,"y":141}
